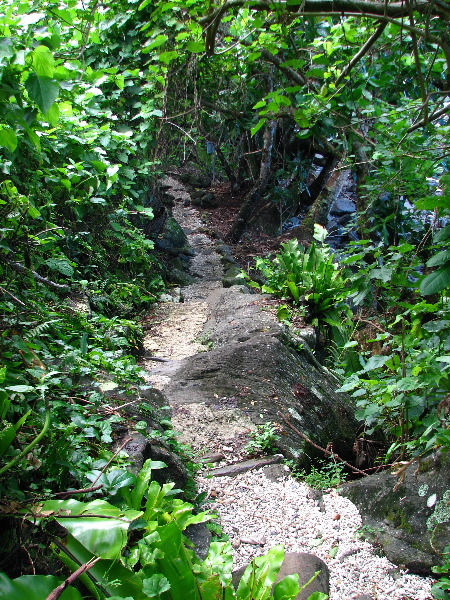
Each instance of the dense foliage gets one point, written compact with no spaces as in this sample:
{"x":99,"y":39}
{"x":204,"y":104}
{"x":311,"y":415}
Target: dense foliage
{"x":94,"y":100}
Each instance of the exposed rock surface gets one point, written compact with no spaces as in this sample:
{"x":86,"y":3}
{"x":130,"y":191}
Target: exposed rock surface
{"x":231,"y":362}
{"x":411,"y":518}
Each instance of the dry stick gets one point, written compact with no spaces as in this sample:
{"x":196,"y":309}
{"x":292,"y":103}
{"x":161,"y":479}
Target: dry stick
{"x":65,"y":584}
{"x":13,"y":297}
{"x":111,"y":459}
{"x":82,"y":491}
{"x":333,"y":454}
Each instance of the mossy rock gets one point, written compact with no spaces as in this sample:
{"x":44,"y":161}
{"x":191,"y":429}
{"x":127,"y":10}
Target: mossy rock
{"x":411,"y":517}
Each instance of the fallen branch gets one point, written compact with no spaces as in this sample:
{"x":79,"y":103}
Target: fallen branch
{"x":2,"y":289}
{"x":19,"y":268}
{"x":324,"y":450}
{"x":65,"y":584}
{"x":82,"y":491}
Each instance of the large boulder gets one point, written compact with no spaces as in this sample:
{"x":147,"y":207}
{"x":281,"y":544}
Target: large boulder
{"x":252,"y":368}
{"x":410,"y":518}
{"x":305,"y":566}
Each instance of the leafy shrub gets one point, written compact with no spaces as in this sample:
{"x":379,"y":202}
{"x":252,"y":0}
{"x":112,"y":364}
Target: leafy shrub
{"x":329,"y":474}
{"x":263,"y":439}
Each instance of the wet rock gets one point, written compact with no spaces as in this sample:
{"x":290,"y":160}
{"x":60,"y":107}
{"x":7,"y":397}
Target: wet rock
{"x":203,"y":199}
{"x":172,"y":238}
{"x":343,"y":206}
{"x":305,"y":565}
{"x":410,"y":519}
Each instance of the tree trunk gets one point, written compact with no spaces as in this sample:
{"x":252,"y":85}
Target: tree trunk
{"x":253,"y":197}
{"x":318,"y":213}
{"x":308,"y":198}
{"x":362,"y":172}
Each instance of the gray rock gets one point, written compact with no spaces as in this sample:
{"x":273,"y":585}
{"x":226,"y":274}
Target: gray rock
{"x":244,"y":466}
{"x":305,"y":565}
{"x":198,"y":180}
{"x":276,"y":472}
{"x":172,"y":238}
{"x":140,"y":448}
{"x":232,"y":277}
{"x":200,"y":536}
{"x":409,"y":519}
{"x":343,"y":206}
{"x":253,"y":362}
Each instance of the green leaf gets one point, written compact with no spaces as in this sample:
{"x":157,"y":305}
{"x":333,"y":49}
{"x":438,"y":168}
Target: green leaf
{"x":43,"y":62}
{"x":155,"y":585}
{"x":63,"y":266}
{"x":439,"y":259}
{"x":52,"y":115}
{"x":21,"y":389}
{"x":167,"y":57}
{"x":287,"y":588}
{"x":33,"y":587}
{"x":443,"y":234}
{"x":42,"y":90}
{"x":257,"y":127}
{"x":8,"y":138}
{"x":195,"y":47}
{"x":435,"y":282}
{"x":158,"y":41}
{"x":99,"y":526}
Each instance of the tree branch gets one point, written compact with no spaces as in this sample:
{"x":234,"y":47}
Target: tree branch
{"x":364,"y":49}
{"x":65,"y":584}
{"x":19,"y":268}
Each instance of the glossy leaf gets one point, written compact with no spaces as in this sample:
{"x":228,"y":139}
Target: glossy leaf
{"x":33,"y":587}
{"x":43,"y":90}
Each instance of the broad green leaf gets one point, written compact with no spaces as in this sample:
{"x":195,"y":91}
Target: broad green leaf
{"x":20,"y":389}
{"x":383,"y":273}
{"x":63,"y":266}
{"x":287,"y":588}
{"x":443,"y":234}
{"x":33,"y":212}
{"x":435,"y":282}
{"x":33,"y":587}
{"x":439,"y":259}
{"x":52,"y":115}
{"x":375,"y":362}
{"x":158,"y":41}
{"x":195,"y":47}
{"x":167,"y":57}
{"x":257,"y":127}
{"x":8,"y":138}
{"x":43,"y":62}
{"x":42,"y":90}
{"x":7,"y":435}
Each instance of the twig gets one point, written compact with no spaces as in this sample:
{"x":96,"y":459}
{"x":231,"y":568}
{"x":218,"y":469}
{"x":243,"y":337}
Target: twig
{"x":65,"y":584}
{"x":12,"y":296}
{"x":82,"y":491}
{"x":19,"y":268}
{"x":325,"y":451}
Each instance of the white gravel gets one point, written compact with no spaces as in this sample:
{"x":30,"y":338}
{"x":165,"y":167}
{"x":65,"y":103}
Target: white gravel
{"x":257,"y":513}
